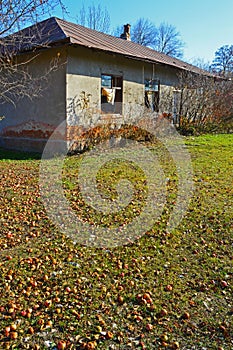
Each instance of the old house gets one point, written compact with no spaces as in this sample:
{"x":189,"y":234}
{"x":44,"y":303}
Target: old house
{"x":95,"y":70}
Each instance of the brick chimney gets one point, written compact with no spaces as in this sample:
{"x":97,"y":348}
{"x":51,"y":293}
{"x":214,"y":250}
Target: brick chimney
{"x":126,"y":34}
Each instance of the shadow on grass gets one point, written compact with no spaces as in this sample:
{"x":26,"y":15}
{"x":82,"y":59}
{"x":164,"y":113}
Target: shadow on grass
{"x":18,"y":155}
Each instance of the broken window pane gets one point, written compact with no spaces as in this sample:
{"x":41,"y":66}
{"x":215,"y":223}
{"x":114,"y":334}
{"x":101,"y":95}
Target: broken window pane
{"x":152,"y":94}
{"x":111,"y":94}
{"x":106,"y":81}
{"x":152,"y":85}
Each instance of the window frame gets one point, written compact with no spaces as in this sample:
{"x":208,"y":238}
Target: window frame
{"x":114,"y":107}
{"x":152,"y":94}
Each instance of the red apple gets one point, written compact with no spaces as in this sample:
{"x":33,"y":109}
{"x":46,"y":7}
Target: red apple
{"x":149,"y":327}
{"x":224,"y":284}
{"x":13,"y":327}
{"x":13,"y":335}
{"x":163,"y":313}
{"x":61,"y":345}
{"x":7,"y":331}
{"x":169,"y":288}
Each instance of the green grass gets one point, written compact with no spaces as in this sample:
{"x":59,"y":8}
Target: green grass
{"x":104,"y":298}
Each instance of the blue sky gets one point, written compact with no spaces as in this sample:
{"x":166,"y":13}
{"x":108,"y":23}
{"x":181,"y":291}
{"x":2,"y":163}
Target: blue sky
{"x":204,"y":25}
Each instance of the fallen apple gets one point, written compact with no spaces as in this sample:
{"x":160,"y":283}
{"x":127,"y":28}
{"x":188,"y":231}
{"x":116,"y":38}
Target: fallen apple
{"x":61,"y":345}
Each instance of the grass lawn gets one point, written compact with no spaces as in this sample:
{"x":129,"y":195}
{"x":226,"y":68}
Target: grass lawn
{"x":163,"y":291}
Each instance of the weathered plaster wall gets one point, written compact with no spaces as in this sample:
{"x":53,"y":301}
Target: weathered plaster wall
{"x":74,"y":86}
{"x":28,"y":124}
{"x":168,"y":76}
{"x":84,"y":69}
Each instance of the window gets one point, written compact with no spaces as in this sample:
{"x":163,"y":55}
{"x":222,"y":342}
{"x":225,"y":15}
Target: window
{"x":152,"y":87}
{"x":106,"y":81}
{"x":111,"y":94}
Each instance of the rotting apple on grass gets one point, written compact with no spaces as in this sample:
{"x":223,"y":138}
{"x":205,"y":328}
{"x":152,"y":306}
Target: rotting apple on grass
{"x":61,"y":345}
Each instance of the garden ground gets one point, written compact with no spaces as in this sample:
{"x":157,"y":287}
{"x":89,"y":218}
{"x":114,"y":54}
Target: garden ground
{"x":165,"y":290}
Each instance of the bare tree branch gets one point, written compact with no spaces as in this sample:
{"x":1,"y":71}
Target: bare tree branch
{"x":143,"y":32}
{"x":164,"y":38}
{"x":167,"y":40}
{"x":95,"y":17}
{"x":203,"y":101}
{"x":201,"y":63}
{"x":16,"y":14}
{"x":16,"y":81}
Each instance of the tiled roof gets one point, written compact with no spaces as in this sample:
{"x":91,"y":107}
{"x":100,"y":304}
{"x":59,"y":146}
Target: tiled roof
{"x":54,"y":31}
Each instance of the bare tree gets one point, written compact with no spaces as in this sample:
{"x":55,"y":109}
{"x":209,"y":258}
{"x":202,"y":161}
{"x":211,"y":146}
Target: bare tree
{"x":164,"y":38}
{"x":201,"y":63}
{"x":143,"y":32}
{"x":117,"y":31}
{"x":94,"y":17}
{"x":15,"y":79}
{"x":15,"y":14}
{"x":203,"y":103}
{"x":223,"y":61}
{"x":167,"y":40}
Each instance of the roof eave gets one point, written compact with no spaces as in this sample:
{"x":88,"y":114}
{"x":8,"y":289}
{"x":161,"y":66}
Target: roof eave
{"x":56,"y":44}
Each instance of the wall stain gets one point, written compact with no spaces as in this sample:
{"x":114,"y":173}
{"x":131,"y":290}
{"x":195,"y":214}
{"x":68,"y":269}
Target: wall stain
{"x":31,"y":129}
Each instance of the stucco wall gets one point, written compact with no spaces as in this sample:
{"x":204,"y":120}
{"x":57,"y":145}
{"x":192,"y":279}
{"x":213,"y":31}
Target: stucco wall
{"x":84,"y":69}
{"x":168,"y":76}
{"x":74,"y":86}
{"x":28,"y":124}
